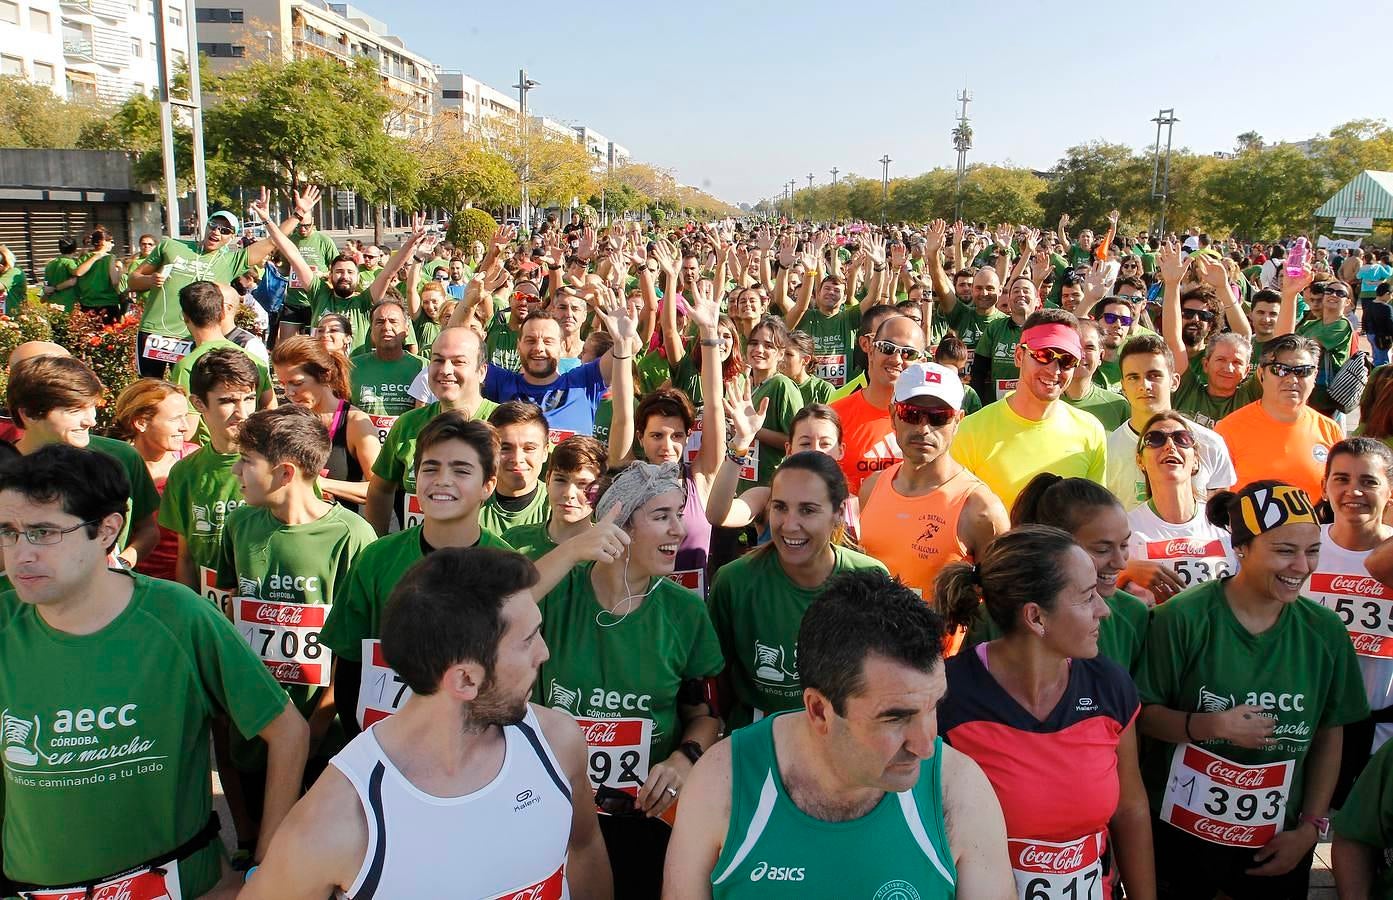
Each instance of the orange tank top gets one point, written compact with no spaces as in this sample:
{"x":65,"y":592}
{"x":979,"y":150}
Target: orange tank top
{"x":915,"y":537}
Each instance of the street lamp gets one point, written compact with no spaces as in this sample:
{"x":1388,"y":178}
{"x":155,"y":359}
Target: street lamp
{"x":835,"y":170}
{"x":524,"y":85}
{"x":884,"y":184}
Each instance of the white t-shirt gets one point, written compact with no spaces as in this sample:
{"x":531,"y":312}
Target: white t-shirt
{"x":1128,"y":483}
{"x":1196,"y":550}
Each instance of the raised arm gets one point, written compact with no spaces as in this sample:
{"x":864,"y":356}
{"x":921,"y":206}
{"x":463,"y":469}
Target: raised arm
{"x":1064,"y":235}
{"x":722,"y":506}
{"x":666,"y":255}
{"x":1291,"y":287}
{"x":388,"y":275}
{"x":413,"y":287}
{"x":1214,"y":275}
{"x":621,"y":391}
{"x":1095,"y":288}
{"x":706,"y":315}
{"x":303,"y":204}
{"x":944,"y":297}
{"x":787,"y":245}
{"x":260,"y":209}
{"x":1171,"y":266}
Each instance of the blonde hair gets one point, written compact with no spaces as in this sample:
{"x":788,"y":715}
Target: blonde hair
{"x":7,"y":257}
{"x":139,"y":401}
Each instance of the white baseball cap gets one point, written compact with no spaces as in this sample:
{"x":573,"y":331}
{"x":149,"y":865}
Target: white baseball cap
{"x":930,"y":380}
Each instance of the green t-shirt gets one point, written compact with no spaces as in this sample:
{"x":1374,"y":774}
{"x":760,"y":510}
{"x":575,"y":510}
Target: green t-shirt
{"x":319,"y":251}
{"x":532,"y":541}
{"x":834,"y":342}
{"x":187,"y":265}
{"x":427,"y":330}
{"x":94,"y":287}
{"x":107,"y":759}
{"x":784,"y":403}
{"x":357,"y":613}
{"x":1193,"y":400}
{"x":756,"y":610}
{"x":998,"y":344}
{"x":198,"y":495}
{"x":1121,"y":636}
{"x":652,"y":372}
{"x":1108,"y":375}
{"x":968,"y":324}
{"x":502,"y":343}
{"x":380,"y":387}
{"x":16,"y":288}
{"x":396,"y":464}
{"x":971,"y":402}
{"x":144,"y":500}
{"x":1302,"y":670}
{"x":1334,"y":339}
{"x":357,"y":309}
{"x":493,"y":517}
{"x":59,"y":270}
{"x":1107,"y":407}
{"x":1367,"y":816}
{"x":632,"y":666}
{"x":815,"y":390}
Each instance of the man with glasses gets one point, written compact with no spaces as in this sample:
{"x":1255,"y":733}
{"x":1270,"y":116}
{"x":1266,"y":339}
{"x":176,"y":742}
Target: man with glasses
{"x":374,"y":257}
{"x":1030,"y":431}
{"x":1279,"y":436}
{"x":162,"y":338}
{"x":505,"y":329}
{"x":868,"y":437}
{"x":1119,"y":318}
{"x":994,"y":366}
{"x":969,"y":303}
{"x":319,"y":250}
{"x":1333,"y":332}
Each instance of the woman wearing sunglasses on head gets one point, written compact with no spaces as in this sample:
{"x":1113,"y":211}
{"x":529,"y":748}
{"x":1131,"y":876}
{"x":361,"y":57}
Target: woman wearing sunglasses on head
{"x":1246,"y":686}
{"x":1170,"y":527}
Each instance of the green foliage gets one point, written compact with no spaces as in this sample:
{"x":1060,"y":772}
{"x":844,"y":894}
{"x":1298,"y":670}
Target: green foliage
{"x":469,"y":225}
{"x":31,"y":115}
{"x":1093,"y":179}
{"x":108,"y":348}
{"x":1266,"y":193}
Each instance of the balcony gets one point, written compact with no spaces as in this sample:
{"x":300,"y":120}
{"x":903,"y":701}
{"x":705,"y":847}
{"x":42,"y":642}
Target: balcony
{"x":78,"y":49}
{"x":107,"y":9}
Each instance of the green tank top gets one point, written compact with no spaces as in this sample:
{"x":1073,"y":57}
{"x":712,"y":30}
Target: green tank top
{"x":897,"y":851}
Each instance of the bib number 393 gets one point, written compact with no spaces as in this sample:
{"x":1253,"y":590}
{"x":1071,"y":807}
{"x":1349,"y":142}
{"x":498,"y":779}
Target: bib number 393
{"x":1225,"y":802}
{"x":1045,"y":870}
{"x":286,"y":637}
{"x":381,"y":691}
{"x":143,"y":884}
{"x":617,"y":751}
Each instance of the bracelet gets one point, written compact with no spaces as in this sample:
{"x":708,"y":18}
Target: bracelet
{"x":247,"y":875}
{"x":735,"y":455}
{"x":711,"y":342}
{"x":553,"y":268}
{"x":1188,"y":736}
{"x":612,"y":356}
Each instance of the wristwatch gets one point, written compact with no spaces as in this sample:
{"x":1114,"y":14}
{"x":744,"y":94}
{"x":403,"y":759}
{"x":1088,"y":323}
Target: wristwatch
{"x":692,"y":750}
{"x":1322,"y":824}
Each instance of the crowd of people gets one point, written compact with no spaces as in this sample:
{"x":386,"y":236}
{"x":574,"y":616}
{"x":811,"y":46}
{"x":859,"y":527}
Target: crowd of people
{"x":727,"y":560}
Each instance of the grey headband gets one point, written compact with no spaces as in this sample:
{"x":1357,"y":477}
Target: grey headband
{"x":635,"y":485}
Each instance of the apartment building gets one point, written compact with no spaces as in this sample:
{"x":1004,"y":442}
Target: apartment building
{"x":89,"y":49}
{"x":605,"y":152}
{"x":305,"y":29}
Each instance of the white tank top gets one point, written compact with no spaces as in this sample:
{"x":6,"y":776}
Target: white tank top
{"x":1341,"y":582}
{"x":1196,"y":550}
{"x":507,"y":839}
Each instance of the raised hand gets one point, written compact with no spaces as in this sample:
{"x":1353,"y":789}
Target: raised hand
{"x":1095,"y":283}
{"x":1002,"y":236}
{"x":1113,"y":216}
{"x":305,"y":202}
{"x":585,"y":247}
{"x":615,"y":313}
{"x":502,"y":238}
{"x":704,"y":310}
{"x":875,"y":249}
{"x":745,"y":419}
{"x":666,"y":255}
{"x":898,"y":256}
{"x":260,"y":208}
{"x":764,"y":239}
{"x":1030,"y":241}
{"x":788,"y":246}
{"x":1171,"y":264}
{"x":935,"y":236}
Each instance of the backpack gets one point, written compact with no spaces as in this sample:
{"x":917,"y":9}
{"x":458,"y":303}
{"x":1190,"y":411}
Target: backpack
{"x":1347,"y":387}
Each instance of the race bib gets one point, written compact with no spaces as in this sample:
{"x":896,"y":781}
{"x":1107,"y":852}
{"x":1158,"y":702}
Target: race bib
{"x":143,"y":884}
{"x":618,"y":751}
{"x":557,"y":435}
{"x":749,"y":464}
{"x":1225,"y":802}
{"x":691,"y":579}
{"x":383,"y":424}
{"x":208,"y":587}
{"x":1194,"y":561}
{"x":1045,"y":870}
{"x":831,"y":368}
{"x":295,"y":282}
{"x":552,"y":888}
{"x":381,"y":692}
{"x":286,"y":637}
{"x":694,"y":439}
{"x":411,"y":515}
{"x":164,"y":349}
{"x":1365,"y":605}
{"x":1003,"y":385}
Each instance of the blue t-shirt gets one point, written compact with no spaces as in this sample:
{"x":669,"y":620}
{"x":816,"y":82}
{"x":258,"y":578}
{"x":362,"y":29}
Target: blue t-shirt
{"x":455,"y":290}
{"x":569,"y":402}
{"x":1370,"y":277}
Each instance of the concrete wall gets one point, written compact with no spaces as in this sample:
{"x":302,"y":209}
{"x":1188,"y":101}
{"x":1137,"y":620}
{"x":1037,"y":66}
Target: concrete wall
{"x":68,"y":170}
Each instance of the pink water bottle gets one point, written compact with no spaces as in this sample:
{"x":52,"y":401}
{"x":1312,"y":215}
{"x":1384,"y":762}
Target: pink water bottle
{"x":1296,"y":258}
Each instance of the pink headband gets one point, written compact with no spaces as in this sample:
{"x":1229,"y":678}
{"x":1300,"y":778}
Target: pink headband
{"x":1053,"y":335}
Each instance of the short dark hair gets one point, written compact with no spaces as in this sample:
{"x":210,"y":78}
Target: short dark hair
{"x":456,"y":426}
{"x":1266,"y":295}
{"x":84,"y":483}
{"x":518,"y":412}
{"x":342,"y":257}
{"x":667,"y":402}
{"x":1145,"y":345}
{"x":41,"y":384}
{"x":579,"y":452}
{"x":858,"y":614}
{"x":1064,"y":503}
{"x":287,"y":433}
{"x":430,"y":624}
{"x":201,"y":303}
{"x":229,"y":366}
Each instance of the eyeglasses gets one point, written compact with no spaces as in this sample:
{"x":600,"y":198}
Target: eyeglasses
{"x":39,"y":536}
{"x":1116,"y":319}
{"x":222,"y":229}
{"x":1282,"y":370}
{"x":1204,"y":315}
{"x":937,"y":416}
{"x":1157,"y":439}
{"x":908,"y":354}
{"x":1046,"y":355}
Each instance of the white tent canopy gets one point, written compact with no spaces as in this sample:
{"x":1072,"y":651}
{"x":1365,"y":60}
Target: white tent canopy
{"x":1369,"y":195}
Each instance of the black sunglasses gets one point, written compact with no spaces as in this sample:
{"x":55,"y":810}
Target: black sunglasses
{"x":1282,"y":370}
{"x":1204,"y":315}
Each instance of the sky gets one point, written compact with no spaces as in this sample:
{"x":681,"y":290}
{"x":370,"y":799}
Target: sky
{"x":738,"y":98}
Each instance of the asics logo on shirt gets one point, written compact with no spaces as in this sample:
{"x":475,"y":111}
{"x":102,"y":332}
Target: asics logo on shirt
{"x":765,"y":872}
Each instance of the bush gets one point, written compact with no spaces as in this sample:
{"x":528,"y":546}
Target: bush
{"x":469,"y":225}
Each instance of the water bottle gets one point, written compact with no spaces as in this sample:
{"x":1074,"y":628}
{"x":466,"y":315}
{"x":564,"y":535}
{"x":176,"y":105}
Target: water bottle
{"x":1296,"y":258}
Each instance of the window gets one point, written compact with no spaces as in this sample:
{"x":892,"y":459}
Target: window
{"x":135,"y":48}
{"x":217,"y":14}
{"x":451,"y":95}
{"x":11,"y":65}
{"x":43,"y":73}
{"x":40,"y":21}
{"x":9,"y":12}
{"x":176,"y":16}
{"x":222,"y":50}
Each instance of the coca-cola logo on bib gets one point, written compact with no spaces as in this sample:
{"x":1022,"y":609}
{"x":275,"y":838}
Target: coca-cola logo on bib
{"x":1225,"y":832}
{"x":1051,"y":859}
{"x":273,"y":614}
{"x":1367,"y":644}
{"x":1233,"y":775}
{"x":601,"y":733}
{"x":1358,"y":586}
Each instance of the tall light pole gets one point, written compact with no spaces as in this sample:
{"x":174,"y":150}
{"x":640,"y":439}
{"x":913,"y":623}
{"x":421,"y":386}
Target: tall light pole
{"x":835,"y":170}
{"x":962,"y":142}
{"x":792,"y":196}
{"x":524,"y":85}
{"x":884,"y":184}
{"x":1161,"y":178}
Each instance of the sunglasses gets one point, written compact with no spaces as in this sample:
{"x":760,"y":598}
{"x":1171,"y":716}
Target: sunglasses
{"x":937,"y":416}
{"x":1116,"y":319}
{"x":1330,"y":293}
{"x":1046,"y":355}
{"x":222,"y":229}
{"x":1157,"y":439}
{"x":1204,"y":315}
{"x":908,"y":354}
{"x":1282,"y":370}
{"x":523,"y":295}
{"x":372,"y":256}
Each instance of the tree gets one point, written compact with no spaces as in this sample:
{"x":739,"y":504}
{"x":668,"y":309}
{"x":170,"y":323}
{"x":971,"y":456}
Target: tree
{"x":1248,"y":140}
{"x":1264,"y":194}
{"x":1094,"y":178}
{"x":1354,"y":147}
{"x":459,"y":171}
{"x":470,"y":225}
{"x":998,"y":194}
{"x":31,"y":115}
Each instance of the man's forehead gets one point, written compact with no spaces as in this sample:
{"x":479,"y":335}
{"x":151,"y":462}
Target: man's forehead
{"x":15,"y":505}
{"x":888,"y":683}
